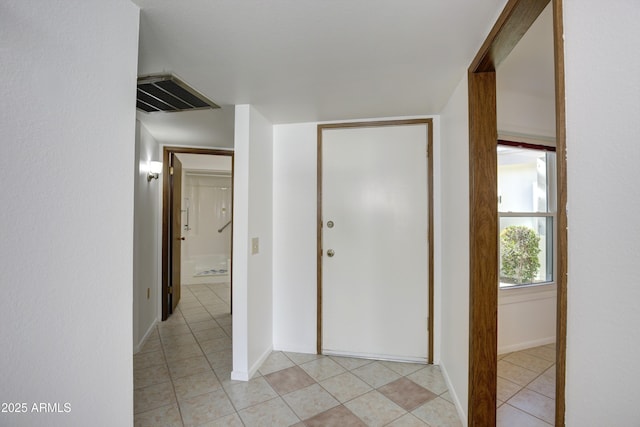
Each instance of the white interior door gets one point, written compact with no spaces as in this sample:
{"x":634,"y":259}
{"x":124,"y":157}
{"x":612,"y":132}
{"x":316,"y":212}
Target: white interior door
{"x":375,"y":226}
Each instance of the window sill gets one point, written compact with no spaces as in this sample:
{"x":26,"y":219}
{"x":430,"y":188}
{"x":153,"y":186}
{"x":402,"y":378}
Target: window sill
{"x":522,"y":293}
{"x":508,"y":286}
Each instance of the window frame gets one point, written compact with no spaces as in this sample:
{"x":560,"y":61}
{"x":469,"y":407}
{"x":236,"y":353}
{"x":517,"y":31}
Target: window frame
{"x":551,"y":212}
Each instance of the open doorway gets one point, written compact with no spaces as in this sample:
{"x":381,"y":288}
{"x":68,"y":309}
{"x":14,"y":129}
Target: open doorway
{"x":197,"y":225}
{"x":527,"y":287}
{"x":517,"y":17}
{"x":527,"y":215}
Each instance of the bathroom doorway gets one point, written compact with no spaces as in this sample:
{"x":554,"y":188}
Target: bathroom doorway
{"x":202,"y":224}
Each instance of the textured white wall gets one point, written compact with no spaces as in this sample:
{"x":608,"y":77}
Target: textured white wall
{"x":603,"y":131}
{"x":526,"y":317}
{"x":239,"y":267}
{"x":525,"y":83}
{"x":525,"y":114}
{"x":260,"y":282}
{"x":146,"y":242}
{"x":68,"y":129}
{"x":252,"y":273}
{"x":454,"y":158}
{"x":205,"y":162}
{"x":294,"y":237}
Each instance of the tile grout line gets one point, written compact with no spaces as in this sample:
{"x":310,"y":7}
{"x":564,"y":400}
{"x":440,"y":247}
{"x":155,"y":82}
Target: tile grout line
{"x":523,"y":367}
{"x":528,"y":384}
{"x":373,"y":388}
{"x":175,"y":396}
{"x":208,"y":361}
{"x":165,"y":341}
{"x":281,"y":396}
{"x":187,"y":323}
{"x":220,"y":380}
{"x":171,"y":376}
{"x":521,"y":410}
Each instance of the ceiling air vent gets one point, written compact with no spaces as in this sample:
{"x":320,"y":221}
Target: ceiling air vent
{"x":168,"y":93}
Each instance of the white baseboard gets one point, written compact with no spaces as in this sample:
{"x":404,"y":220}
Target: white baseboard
{"x":295,"y":348}
{"x":454,"y":396}
{"x":253,"y":369}
{"x":525,"y":345}
{"x":139,"y":345}
{"x":240,"y":376}
{"x":246,"y":376}
{"x":407,"y":359}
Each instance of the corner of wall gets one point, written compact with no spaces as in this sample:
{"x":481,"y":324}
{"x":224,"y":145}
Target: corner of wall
{"x":260,"y":225}
{"x":253,"y":218}
{"x":294,"y":237}
{"x":454,"y":262}
{"x":147,"y":240}
{"x":460,"y":408}
{"x":437,"y":241}
{"x":240,"y":243}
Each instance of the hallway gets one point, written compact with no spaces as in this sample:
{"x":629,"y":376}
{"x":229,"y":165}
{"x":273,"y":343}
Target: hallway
{"x":181,"y":378}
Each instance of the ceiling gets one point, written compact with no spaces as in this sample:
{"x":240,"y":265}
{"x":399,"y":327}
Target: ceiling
{"x":308,"y":60}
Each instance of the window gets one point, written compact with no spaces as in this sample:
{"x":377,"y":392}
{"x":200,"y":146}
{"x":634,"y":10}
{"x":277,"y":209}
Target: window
{"x":526,"y":208}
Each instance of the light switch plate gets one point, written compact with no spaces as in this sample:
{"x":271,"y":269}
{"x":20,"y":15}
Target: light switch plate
{"x":255,"y":245}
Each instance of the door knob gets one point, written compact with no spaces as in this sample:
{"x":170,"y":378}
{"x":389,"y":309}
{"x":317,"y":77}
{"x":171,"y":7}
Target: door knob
{"x":182,"y":238}
{"x":330,"y":224}
{"x":330,"y":253}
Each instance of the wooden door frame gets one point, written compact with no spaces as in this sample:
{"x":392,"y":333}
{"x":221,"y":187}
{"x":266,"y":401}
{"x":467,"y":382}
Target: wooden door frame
{"x":167,"y":151}
{"x":429,"y":123}
{"x":176,"y":237}
{"x":515,"y":20}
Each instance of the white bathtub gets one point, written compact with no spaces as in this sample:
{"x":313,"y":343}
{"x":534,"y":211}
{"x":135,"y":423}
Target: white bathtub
{"x":212,"y":268}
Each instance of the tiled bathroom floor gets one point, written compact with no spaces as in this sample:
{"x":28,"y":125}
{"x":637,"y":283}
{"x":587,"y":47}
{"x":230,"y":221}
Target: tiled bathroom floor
{"x":181,"y":378}
{"x":526,"y":387}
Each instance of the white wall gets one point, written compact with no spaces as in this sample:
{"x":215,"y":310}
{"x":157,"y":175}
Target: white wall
{"x":146,"y":241}
{"x":253,"y":213}
{"x":521,"y":113}
{"x":454,"y":208}
{"x":526,"y":317}
{"x":205,"y":162}
{"x":260,"y":289}
{"x":295,"y":238}
{"x":67,"y":171}
{"x":525,"y":83}
{"x":603,"y":130}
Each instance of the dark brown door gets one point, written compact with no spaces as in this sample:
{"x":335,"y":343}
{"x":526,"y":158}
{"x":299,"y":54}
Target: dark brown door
{"x":176,"y":230}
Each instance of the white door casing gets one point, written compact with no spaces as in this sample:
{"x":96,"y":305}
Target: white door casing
{"x":375,"y":288}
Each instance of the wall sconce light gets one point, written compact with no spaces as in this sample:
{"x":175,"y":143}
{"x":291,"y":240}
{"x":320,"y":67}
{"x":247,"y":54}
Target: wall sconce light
{"x":155,"y":169}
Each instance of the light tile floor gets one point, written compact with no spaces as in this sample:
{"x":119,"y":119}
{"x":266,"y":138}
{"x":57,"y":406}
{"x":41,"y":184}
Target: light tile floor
{"x":181,"y":378}
{"x":526,"y":387}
